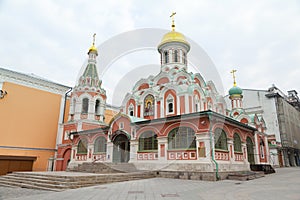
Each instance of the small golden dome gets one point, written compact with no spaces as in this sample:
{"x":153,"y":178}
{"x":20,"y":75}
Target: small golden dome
{"x":93,"y":48}
{"x":173,"y":36}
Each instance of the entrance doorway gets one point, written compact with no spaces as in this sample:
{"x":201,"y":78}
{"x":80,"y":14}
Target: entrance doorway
{"x":250,"y":151}
{"x":121,"y":149}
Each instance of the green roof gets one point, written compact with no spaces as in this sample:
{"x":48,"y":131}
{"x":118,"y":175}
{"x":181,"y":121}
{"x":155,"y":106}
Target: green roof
{"x":91,"y":71}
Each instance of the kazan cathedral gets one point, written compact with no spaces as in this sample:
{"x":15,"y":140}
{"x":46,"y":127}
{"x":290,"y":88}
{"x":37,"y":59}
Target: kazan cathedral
{"x":172,"y":121}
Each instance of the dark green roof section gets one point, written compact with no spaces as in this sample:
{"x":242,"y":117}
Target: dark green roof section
{"x":103,"y":129}
{"x":91,"y":71}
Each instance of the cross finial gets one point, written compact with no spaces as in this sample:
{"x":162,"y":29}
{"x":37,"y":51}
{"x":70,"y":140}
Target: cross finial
{"x":173,"y":24}
{"x":94,"y":38}
{"x":233,"y":75}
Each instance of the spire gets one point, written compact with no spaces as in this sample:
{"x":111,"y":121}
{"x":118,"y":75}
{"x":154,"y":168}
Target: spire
{"x":233,"y":75}
{"x":173,"y":23}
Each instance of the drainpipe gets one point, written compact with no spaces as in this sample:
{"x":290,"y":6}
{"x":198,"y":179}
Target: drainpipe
{"x":212,"y":146}
{"x":66,"y":95}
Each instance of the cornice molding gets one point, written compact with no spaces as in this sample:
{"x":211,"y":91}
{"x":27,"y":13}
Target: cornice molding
{"x":32,"y":81}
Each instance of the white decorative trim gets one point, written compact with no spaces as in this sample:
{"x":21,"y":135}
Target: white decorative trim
{"x":32,"y":81}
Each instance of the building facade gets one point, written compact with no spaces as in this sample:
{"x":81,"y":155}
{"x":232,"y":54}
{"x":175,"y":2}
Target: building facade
{"x":31,"y":110}
{"x":174,"y":120}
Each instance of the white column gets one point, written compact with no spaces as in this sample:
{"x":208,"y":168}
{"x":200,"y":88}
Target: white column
{"x":91,"y":110}
{"x":186,"y":104}
{"x":109,"y":151}
{"x":133,"y":150}
{"x":203,"y":137}
{"x":230,"y":149}
{"x":267,"y":150}
{"x":102,"y":110}
{"x":90,"y":152}
{"x":256,"y":149}
{"x":178,"y":105}
{"x":245,"y":153}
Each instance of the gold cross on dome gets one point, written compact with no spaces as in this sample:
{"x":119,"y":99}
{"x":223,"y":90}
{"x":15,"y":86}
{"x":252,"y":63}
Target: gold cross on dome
{"x":94,"y":38}
{"x":173,"y":24}
{"x":233,"y":75}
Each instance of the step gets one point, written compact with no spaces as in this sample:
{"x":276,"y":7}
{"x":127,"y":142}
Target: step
{"x":41,"y":181}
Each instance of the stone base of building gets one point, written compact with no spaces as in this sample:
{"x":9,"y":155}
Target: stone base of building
{"x":192,"y":166}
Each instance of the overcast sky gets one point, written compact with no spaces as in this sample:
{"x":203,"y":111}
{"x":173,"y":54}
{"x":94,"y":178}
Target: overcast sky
{"x":261,"y":39}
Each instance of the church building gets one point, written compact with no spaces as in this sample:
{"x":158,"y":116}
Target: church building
{"x":171,"y":121}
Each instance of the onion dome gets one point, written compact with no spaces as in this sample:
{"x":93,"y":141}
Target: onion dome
{"x":235,"y":91}
{"x":174,"y":36}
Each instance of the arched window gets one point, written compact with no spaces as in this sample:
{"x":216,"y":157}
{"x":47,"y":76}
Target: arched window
{"x":197,"y":103}
{"x":82,"y":146}
{"x":262,"y":148}
{"x":148,"y":141}
{"x":182,"y":138}
{"x":85,"y":106}
{"x":100,"y":145}
{"x":250,"y":150}
{"x":97,"y":107}
{"x":166,"y":54}
{"x":175,"y":55}
{"x":170,"y":104}
{"x":237,"y":144}
{"x":130,"y":110}
{"x":184,"y":58}
{"x":220,"y":139}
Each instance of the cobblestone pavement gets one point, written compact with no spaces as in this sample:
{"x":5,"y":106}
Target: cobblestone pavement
{"x":285,"y":184}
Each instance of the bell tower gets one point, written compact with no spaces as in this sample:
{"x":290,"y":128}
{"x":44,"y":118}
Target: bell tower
{"x":88,"y":99}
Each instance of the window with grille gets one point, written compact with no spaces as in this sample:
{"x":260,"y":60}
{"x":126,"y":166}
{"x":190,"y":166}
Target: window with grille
{"x":148,"y":141}
{"x":82,"y":146}
{"x":100,"y":145}
{"x":220,"y":139}
{"x":182,"y":138}
{"x":237,"y":144}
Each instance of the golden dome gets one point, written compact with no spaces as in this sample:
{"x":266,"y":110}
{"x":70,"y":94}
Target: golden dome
{"x":173,"y":36}
{"x":93,"y":48}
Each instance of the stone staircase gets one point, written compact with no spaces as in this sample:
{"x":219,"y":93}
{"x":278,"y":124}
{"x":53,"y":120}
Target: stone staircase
{"x":104,"y":168}
{"x":245,"y":176}
{"x":59,"y":181}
